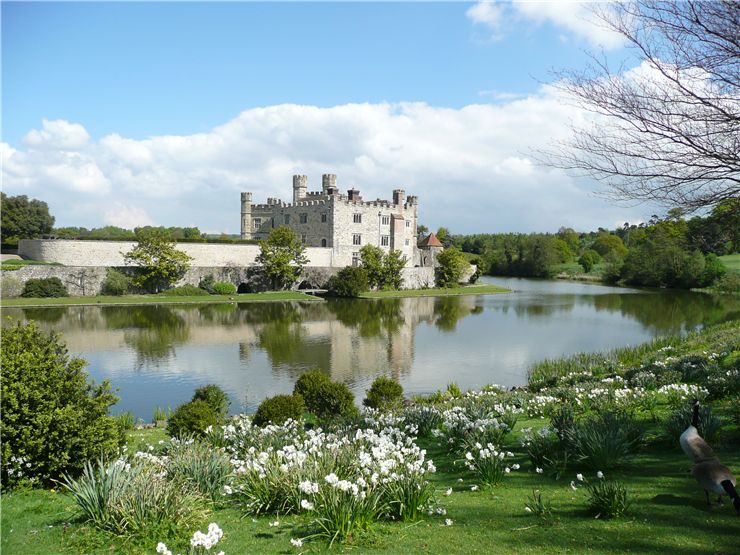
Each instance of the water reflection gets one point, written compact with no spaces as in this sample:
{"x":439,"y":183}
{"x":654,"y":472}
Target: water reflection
{"x":156,"y":355}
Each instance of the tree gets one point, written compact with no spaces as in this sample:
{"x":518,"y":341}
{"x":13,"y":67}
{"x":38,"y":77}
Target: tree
{"x":384,"y":270}
{"x":161,"y":263}
{"x":451,"y":265}
{"x":371,"y":258}
{"x":668,"y":131}
{"x":23,"y":218}
{"x":606,"y":243}
{"x":348,"y":282}
{"x":282,"y":255}
{"x":589,"y":259}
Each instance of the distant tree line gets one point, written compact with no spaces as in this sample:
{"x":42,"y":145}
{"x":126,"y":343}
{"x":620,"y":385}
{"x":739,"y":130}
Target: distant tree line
{"x":664,"y":252}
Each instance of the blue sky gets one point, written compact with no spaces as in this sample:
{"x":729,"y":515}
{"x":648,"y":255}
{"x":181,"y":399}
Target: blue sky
{"x":118,"y":106}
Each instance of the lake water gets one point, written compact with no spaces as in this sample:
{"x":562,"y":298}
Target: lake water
{"x":157,"y":355}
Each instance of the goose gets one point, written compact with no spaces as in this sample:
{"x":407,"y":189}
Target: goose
{"x":711,"y":474}
{"x":692,"y":443}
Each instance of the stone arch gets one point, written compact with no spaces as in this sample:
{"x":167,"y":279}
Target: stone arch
{"x":243,"y":288}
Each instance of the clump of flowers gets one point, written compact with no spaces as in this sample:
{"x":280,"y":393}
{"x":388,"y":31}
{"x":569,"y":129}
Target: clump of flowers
{"x":200,"y":543}
{"x":538,"y":506}
{"x":607,"y":498}
{"x":489,"y":463}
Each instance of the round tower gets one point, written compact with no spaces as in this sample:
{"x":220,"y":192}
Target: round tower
{"x":328,"y":180}
{"x":300,"y":187}
{"x":246,"y":216}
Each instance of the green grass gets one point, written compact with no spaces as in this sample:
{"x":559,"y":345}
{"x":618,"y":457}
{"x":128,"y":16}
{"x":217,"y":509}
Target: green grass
{"x":14,"y":264}
{"x":731,"y":262}
{"x":161,"y":299}
{"x":437,"y":292}
{"x":669,"y":515}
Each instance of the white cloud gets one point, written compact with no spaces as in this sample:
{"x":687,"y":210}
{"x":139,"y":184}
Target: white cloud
{"x":57,"y":135}
{"x":126,"y":216}
{"x":577,"y":17}
{"x":469,"y":166}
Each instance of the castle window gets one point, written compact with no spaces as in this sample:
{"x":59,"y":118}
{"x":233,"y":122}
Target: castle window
{"x":407,"y":242}
{"x":287,"y":219}
{"x":385,"y":240}
{"x":408,"y":223}
{"x":323,"y":242}
{"x":304,"y":218}
{"x":357,"y":239}
{"x":355,"y":259}
{"x":323,"y":218}
{"x":257,"y":223}
{"x":357,"y":218}
{"x":385,"y":220}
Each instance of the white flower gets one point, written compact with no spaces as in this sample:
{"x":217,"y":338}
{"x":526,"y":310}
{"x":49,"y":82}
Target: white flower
{"x":599,"y":474}
{"x":528,"y":509}
{"x":580,"y":477}
{"x":448,"y":522}
{"x":274,"y":524}
{"x":473,"y":488}
{"x":460,"y":480}
{"x":162,"y":548}
{"x":539,"y":470}
{"x":448,"y":492}
{"x":228,"y":490}
{"x":296,"y":543}
{"x":573,"y":486}
{"x":305,"y":504}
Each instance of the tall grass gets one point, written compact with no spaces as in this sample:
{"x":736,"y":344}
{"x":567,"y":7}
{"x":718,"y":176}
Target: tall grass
{"x":201,"y":466}
{"x":604,"y":441}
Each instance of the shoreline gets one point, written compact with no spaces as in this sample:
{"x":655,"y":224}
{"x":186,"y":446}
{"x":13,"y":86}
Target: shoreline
{"x":469,"y":290}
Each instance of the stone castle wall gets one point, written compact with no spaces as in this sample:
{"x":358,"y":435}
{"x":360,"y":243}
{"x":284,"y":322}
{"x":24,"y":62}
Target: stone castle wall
{"x":111,"y":253}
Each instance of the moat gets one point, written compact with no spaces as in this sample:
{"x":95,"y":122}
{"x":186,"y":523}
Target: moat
{"x":157,"y":355}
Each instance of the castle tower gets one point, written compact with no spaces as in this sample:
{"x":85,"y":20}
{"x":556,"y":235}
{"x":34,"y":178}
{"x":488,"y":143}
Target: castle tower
{"x":399,"y":197}
{"x":328,"y":180}
{"x":246,"y":216}
{"x":300,"y":187}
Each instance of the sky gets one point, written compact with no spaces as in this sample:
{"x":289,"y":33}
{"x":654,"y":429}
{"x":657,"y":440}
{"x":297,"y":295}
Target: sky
{"x":161,"y":113}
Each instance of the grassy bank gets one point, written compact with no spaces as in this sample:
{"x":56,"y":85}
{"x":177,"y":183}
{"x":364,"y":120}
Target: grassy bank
{"x":731,"y":262}
{"x":161,"y":299}
{"x":482,"y":289}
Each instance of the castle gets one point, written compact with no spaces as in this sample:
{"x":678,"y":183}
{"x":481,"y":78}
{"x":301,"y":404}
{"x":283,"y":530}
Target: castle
{"x":342,"y":223}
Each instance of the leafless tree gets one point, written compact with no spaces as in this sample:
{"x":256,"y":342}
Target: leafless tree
{"x":668,"y":130}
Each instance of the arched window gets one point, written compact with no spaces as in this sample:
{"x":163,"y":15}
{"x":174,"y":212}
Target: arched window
{"x":323,"y":242}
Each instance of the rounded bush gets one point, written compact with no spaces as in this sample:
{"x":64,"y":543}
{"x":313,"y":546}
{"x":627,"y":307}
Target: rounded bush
{"x":349,"y":282}
{"x":116,"y":283}
{"x":215,"y":397}
{"x":191,"y":419}
{"x":278,"y":409}
{"x":324,"y":398}
{"x":44,"y":287}
{"x":53,"y":419}
{"x":224,"y":288}
{"x":384,"y":394}
{"x":206,"y":283}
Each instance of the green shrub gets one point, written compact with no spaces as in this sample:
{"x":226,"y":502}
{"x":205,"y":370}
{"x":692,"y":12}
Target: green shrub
{"x":224,"y":288}
{"x":191,"y":419}
{"x":185,"y":291}
{"x":729,"y":283}
{"x":116,"y":283}
{"x":126,"y":420}
{"x":708,"y":428}
{"x":348,"y":282}
{"x":53,"y":419}
{"x":384,"y":394}
{"x":44,"y":287}
{"x":206,"y":283}
{"x":215,"y":397}
{"x":325,"y":399}
{"x":451,"y":265}
{"x":589,"y":259}
{"x":604,"y":441}
{"x":278,"y":409}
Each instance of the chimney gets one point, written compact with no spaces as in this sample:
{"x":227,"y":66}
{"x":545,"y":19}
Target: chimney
{"x":354,"y":195}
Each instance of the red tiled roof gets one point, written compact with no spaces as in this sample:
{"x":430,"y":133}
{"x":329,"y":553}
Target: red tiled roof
{"x":431,"y":241}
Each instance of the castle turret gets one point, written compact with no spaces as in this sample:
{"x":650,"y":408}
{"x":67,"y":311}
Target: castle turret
{"x":300,"y":187}
{"x":328,"y":180}
{"x":399,"y":197}
{"x":246,"y":216}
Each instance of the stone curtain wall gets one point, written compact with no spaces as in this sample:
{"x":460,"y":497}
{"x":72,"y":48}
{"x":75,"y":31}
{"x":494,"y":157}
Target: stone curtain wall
{"x":85,"y":281}
{"x":110,"y":253}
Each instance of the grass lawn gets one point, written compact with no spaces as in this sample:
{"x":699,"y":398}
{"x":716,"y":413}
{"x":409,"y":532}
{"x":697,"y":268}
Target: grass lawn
{"x":437,"y":292}
{"x":162,"y":299}
{"x":669,"y":515}
{"x":731,"y":262}
{"x":14,"y":264}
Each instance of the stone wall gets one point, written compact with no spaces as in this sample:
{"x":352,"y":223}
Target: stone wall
{"x":110,"y":253}
{"x":84,"y":281}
